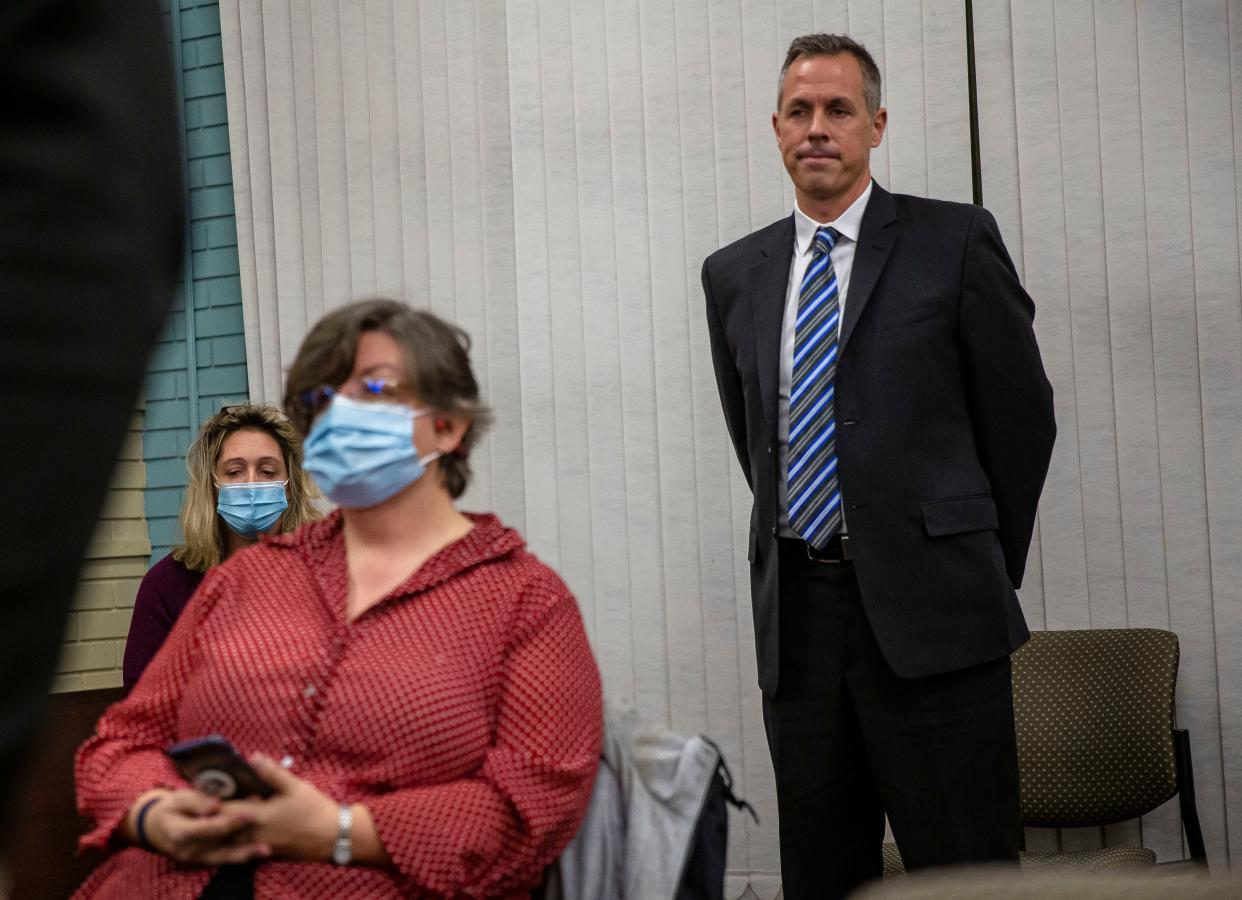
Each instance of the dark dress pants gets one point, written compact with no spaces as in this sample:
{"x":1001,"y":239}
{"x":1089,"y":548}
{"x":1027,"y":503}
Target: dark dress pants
{"x":852,"y":742}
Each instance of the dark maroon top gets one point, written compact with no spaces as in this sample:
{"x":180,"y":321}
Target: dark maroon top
{"x":163,"y":593}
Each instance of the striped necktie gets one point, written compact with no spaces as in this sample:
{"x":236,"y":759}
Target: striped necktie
{"x":813,"y":496}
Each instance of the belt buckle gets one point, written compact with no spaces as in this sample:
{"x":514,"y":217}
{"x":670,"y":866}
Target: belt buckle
{"x":843,"y":541}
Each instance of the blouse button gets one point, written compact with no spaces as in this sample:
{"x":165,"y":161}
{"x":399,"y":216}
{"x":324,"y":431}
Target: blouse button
{"x":309,"y":692}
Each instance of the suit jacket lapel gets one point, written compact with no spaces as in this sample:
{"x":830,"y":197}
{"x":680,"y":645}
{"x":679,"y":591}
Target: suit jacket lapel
{"x":875,"y":241}
{"x":769,"y":283}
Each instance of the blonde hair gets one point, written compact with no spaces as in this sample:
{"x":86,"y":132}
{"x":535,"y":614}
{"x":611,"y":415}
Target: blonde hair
{"x":204,"y":544}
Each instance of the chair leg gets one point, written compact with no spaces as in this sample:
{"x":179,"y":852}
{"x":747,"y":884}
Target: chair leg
{"x":1186,"y":795}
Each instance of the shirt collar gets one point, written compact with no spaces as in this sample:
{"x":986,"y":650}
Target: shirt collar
{"x":847,"y":224}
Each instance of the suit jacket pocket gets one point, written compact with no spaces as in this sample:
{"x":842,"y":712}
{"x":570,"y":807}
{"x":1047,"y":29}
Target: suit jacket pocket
{"x":921,"y":313}
{"x":958,"y":515}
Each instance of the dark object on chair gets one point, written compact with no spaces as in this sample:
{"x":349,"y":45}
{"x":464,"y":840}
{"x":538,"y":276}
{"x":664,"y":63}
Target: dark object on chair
{"x":1097,"y":745}
{"x":43,"y":860}
{"x":703,"y":877}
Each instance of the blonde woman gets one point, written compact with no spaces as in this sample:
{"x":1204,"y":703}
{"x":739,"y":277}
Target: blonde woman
{"x":246,"y":479}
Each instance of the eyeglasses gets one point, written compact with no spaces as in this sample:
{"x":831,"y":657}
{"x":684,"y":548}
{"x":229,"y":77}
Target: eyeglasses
{"x":315,"y":400}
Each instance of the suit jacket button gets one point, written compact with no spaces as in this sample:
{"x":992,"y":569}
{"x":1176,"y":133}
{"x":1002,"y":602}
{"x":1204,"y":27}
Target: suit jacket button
{"x":769,"y":449}
{"x":773,"y":531}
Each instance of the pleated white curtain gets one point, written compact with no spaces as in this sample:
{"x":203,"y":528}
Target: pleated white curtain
{"x":1110,"y":133}
{"x":550,"y":175}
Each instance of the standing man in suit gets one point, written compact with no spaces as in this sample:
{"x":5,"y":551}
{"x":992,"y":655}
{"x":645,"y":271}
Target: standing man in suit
{"x":885,"y":396}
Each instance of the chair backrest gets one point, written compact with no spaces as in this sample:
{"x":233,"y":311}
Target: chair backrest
{"x":1094,"y":714}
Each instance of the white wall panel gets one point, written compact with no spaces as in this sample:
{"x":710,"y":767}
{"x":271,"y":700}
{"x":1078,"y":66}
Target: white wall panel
{"x":550,"y":174}
{"x":305,"y":130}
{"x":330,"y":185}
{"x":1212,"y":105}
{"x":1109,"y":139}
{"x":1178,"y":414}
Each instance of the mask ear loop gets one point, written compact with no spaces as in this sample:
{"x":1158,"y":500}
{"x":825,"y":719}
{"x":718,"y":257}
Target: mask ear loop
{"x":440,"y":423}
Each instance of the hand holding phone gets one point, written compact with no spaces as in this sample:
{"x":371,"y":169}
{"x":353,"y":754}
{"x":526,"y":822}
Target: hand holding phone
{"x":192,"y":828}
{"x":216,"y":769}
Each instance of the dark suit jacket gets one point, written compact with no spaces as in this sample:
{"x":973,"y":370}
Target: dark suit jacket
{"x":944,"y":426}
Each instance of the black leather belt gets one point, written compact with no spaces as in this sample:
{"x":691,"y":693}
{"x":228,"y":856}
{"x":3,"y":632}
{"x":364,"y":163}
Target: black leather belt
{"x":838,"y":550}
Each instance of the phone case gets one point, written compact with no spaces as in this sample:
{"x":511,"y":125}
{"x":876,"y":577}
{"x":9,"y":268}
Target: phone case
{"x":216,"y":769}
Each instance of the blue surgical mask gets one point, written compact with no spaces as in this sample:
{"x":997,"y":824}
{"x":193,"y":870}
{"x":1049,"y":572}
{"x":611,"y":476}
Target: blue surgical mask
{"x":363,"y":453}
{"x":251,"y":508}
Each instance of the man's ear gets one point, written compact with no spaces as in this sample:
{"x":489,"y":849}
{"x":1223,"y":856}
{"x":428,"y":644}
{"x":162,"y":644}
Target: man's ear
{"x":878,"y":123}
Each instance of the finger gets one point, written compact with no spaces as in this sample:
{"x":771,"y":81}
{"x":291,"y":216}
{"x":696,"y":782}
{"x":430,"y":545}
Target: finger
{"x":193,"y":803}
{"x":251,"y":809}
{"x":277,"y":776}
{"x":178,"y":827}
{"x":232,"y":854}
{"x":247,"y":835}
{"x":212,"y":829}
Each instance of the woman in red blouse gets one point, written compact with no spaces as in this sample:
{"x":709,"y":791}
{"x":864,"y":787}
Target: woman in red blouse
{"x":425,"y":682}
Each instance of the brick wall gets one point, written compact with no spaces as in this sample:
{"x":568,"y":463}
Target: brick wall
{"x":139,"y":525}
{"x":115,"y":562}
{"x":215,"y":287}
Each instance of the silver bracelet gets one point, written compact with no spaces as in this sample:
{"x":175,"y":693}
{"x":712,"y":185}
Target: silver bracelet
{"x":343,"y":849}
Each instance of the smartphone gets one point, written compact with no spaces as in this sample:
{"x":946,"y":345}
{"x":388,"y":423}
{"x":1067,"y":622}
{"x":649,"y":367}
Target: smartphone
{"x":216,"y":769}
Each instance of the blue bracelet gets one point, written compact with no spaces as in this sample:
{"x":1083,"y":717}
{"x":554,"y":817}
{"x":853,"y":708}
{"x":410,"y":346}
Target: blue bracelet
{"x":140,"y":825}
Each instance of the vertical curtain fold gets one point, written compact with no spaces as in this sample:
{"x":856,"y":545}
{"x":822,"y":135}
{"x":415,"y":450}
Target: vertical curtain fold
{"x":1109,"y":148}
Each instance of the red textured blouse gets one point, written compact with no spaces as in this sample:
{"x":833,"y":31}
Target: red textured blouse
{"x":464,"y":710}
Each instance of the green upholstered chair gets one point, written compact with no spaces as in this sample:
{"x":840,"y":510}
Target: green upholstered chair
{"x":1097,"y":745}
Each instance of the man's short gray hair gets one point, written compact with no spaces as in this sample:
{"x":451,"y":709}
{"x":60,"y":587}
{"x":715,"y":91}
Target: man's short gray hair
{"x":834,"y":45}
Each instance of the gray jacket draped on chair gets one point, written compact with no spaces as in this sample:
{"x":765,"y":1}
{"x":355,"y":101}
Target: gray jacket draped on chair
{"x":640,"y":825}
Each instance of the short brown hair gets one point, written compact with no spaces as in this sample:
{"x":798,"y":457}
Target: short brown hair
{"x":437,"y":368}
{"x":820,"y":44}
{"x":202,"y":529}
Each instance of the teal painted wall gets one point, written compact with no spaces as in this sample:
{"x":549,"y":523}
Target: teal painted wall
{"x":215,"y":288}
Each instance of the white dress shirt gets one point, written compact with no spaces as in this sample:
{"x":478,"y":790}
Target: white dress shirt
{"x":842,"y":254}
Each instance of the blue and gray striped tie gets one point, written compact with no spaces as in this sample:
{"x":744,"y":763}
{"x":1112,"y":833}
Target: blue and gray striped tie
{"x":813,"y":496}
